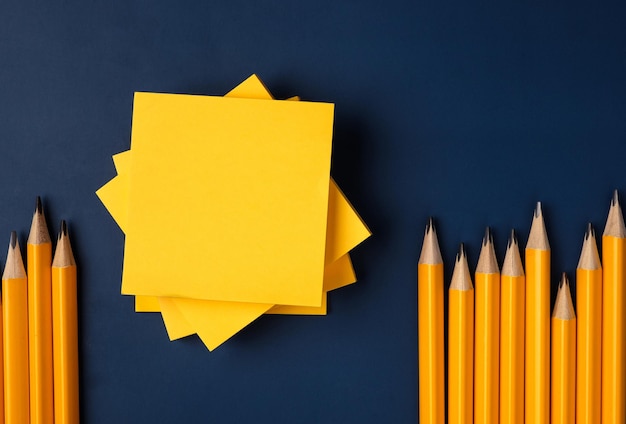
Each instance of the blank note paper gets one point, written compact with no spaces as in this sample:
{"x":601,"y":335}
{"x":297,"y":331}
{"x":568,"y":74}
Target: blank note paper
{"x":229,"y":210}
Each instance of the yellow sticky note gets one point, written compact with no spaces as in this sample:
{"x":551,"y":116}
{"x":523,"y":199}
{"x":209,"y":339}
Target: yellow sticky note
{"x":146,"y":304}
{"x":339,"y":273}
{"x":121,"y":161}
{"x":176,"y":324}
{"x":114,"y":195}
{"x":345,"y":227}
{"x":336,"y":273}
{"x":260,"y":214}
{"x":251,"y":88}
{"x":216,"y":322}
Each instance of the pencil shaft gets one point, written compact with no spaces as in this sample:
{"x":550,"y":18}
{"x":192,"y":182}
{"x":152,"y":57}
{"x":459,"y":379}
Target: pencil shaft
{"x":563,"y":391}
{"x":65,"y":343}
{"x":487,"y":348}
{"x":39,"y":260}
{"x":512,"y":349}
{"x":461,"y":357}
{"x":613,"y":337}
{"x":15,"y":323}
{"x":537,"y":366}
{"x":430,"y":341}
{"x":589,"y":345}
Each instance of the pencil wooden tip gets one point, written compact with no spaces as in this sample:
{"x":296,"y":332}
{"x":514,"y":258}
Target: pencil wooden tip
{"x":431,"y":254}
{"x":15,"y":265}
{"x":564,"y":307}
{"x":63,"y":255}
{"x":461,"y":279}
{"x":512,"y":265}
{"x":39,"y":229}
{"x":487,"y":262}
{"x":615,"y":221}
{"x":538,"y":237}
{"x":589,"y":256}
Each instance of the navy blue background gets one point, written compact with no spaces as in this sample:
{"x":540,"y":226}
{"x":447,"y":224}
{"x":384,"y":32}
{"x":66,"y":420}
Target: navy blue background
{"x":468,"y":113}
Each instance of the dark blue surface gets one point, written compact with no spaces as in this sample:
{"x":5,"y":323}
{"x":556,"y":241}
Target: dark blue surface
{"x":470,"y":114}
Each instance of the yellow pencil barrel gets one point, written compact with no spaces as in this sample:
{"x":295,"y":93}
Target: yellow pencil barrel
{"x":65,"y":342}
{"x":15,"y":334}
{"x":15,"y":311}
{"x":487,"y":348}
{"x":563,"y":397}
{"x":39,"y":261}
{"x":613,"y":316}
{"x":513,"y":293}
{"x":589,"y":346}
{"x":537,"y":346}
{"x":430,"y":343}
{"x":461,"y":357}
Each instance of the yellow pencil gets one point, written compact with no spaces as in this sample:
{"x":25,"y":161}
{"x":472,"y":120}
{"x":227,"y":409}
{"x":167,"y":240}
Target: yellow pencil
{"x":461,"y":344}
{"x":15,"y":323}
{"x":39,"y":261}
{"x":512,"y":303}
{"x":563,"y":398}
{"x":65,"y":331}
{"x":487,"y":335}
{"x":430,"y":330}
{"x":537,"y":346}
{"x":589,"y":332}
{"x":613,"y":316}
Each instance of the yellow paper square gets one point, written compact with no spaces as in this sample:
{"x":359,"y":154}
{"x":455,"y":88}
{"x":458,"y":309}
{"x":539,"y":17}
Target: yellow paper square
{"x":259,"y":216}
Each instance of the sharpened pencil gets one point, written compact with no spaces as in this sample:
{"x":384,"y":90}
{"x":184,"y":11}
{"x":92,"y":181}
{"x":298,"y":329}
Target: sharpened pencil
{"x":512,"y":301}
{"x":15,"y":323}
{"x":589,"y":332}
{"x":537,"y":346}
{"x":461,"y":343}
{"x":430,"y":330}
{"x":39,"y":261}
{"x":613,"y":316}
{"x":487,"y":334}
{"x":563,"y":389}
{"x":65,"y":331}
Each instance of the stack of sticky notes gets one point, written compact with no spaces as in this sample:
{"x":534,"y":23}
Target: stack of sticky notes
{"x":229,"y":210}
